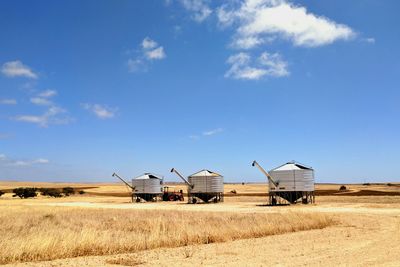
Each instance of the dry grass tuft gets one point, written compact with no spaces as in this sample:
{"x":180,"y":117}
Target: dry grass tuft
{"x":47,"y":233}
{"x":188,"y":252}
{"x":125,"y":261}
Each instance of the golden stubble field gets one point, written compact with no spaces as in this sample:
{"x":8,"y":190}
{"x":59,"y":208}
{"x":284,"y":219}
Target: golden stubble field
{"x":102,"y":228}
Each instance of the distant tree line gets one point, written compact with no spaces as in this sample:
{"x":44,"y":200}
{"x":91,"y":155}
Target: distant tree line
{"x":30,"y":192}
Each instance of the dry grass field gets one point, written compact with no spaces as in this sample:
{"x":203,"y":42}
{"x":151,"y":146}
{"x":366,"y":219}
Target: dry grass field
{"x":46,"y":233}
{"x":102,"y":228}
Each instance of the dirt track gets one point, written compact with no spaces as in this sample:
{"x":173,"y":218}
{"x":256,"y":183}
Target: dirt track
{"x":365,"y":235}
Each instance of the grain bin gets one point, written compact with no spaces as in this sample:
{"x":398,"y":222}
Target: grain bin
{"x":204,"y":185}
{"x":290,"y":182}
{"x":148,"y":187}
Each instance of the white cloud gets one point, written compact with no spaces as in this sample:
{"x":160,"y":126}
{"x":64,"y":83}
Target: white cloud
{"x":23,"y":163}
{"x":274,"y":64}
{"x":41,"y":161}
{"x":48,"y":93}
{"x":101,"y":111}
{"x":257,"y":20}
{"x":247,"y":42}
{"x":206,"y":133}
{"x":8,"y":101}
{"x":135,"y":65}
{"x":260,"y":22}
{"x":157,"y":53}
{"x":243,"y":67}
{"x":226,"y":16}
{"x":177,"y":29}
{"x":199,"y":8}
{"x":53,"y":115}
{"x":370,"y":40}
{"x":213,"y":132}
{"x":32,"y":119}
{"x":148,"y":43}
{"x":4,"y":160}
{"x":17,"y":69}
{"x":41,"y":101}
{"x":149,"y":52}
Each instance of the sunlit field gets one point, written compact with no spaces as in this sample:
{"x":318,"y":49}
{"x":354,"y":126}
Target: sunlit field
{"x":103,"y":222}
{"x":45,"y":233}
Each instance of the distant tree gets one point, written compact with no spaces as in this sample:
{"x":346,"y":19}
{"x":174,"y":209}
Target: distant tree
{"x":68,"y":191}
{"x":51,"y":192}
{"x":25,"y":192}
{"x":43,"y":191}
{"x":1,"y":193}
{"x":343,"y":188}
{"x":81,"y":192}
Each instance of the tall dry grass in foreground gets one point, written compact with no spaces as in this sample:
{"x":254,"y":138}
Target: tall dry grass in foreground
{"x":46,"y":233}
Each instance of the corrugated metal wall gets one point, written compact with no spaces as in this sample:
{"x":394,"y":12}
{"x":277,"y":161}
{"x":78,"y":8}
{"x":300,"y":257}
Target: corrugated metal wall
{"x":148,"y":186}
{"x":207,"y":184}
{"x":293,"y":180}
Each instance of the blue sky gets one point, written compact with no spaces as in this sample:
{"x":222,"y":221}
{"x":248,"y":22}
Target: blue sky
{"x":92,"y":87}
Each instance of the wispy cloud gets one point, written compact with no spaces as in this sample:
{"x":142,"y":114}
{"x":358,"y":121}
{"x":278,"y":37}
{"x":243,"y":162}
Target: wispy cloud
{"x":43,"y":98}
{"x":199,"y":8}
{"x":48,"y":93}
{"x":18,"y":69}
{"x":150,"y":51}
{"x":53,"y":115}
{"x":4,"y":160}
{"x":370,"y":40}
{"x":257,"y":21}
{"x":41,"y":101}
{"x":167,"y":2}
{"x":135,"y":65}
{"x":157,"y":53}
{"x":101,"y":111}
{"x":244,"y":68}
{"x":213,"y":132}
{"x":206,"y":133}
{"x":148,"y":43}
{"x":8,"y":101}
{"x":41,"y":161}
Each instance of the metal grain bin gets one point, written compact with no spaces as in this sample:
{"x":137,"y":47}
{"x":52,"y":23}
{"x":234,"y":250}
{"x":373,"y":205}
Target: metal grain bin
{"x":292,"y":176}
{"x":148,"y":186}
{"x":294,"y":181}
{"x":204,"y":185}
{"x":206,"y":181}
